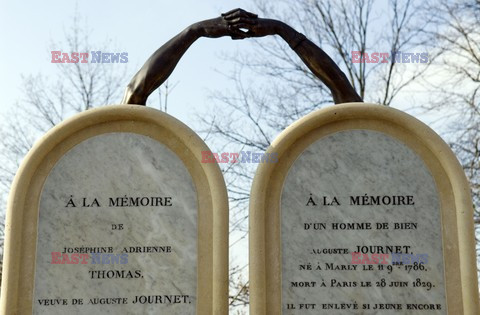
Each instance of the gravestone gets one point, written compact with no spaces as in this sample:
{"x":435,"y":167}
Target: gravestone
{"x":113,"y":212}
{"x":366,"y":212}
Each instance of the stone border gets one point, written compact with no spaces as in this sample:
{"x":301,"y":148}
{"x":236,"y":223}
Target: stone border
{"x":454,"y":192}
{"x":23,"y":205}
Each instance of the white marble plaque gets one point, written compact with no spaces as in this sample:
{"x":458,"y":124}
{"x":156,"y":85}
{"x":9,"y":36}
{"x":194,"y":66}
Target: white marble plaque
{"x":361,"y":191}
{"x":131,"y":200}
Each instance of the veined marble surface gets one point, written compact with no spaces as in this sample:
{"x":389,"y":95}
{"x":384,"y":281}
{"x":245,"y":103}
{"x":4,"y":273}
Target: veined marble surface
{"x":355,"y":163}
{"x":118,"y":165}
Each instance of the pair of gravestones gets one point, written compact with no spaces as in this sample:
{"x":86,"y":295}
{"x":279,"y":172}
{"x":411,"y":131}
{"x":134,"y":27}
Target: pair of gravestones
{"x":366,"y":211}
{"x":113,"y":212}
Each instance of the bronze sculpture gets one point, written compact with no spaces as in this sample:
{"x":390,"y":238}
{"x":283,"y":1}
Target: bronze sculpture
{"x":238,"y":24}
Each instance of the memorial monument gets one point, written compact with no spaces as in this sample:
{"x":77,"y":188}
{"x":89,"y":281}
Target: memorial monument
{"x":366,"y":211}
{"x":113,"y":211}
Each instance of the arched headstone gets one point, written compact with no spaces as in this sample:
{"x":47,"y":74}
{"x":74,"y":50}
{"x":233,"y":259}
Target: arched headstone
{"x":357,"y":187}
{"x":113,"y":211}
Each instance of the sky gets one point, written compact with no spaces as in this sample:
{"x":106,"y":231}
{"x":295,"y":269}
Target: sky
{"x":27,"y":28}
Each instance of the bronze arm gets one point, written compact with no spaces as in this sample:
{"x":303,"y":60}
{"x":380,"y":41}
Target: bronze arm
{"x":237,"y":24}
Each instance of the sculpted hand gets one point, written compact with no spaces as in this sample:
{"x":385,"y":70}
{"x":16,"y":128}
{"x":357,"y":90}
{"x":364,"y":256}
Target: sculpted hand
{"x":239,"y":22}
{"x":229,"y":24}
{"x":250,"y":25}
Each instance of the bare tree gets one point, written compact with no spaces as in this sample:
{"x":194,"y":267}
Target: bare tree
{"x":286,"y":90}
{"x":240,"y":289}
{"x":454,"y":31}
{"x":48,"y":101}
{"x":274,"y":88}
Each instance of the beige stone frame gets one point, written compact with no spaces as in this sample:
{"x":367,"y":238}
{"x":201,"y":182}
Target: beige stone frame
{"x":22,"y":214}
{"x":455,"y":199}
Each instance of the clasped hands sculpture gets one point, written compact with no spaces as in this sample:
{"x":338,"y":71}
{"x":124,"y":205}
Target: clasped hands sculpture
{"x":238,"y":24}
